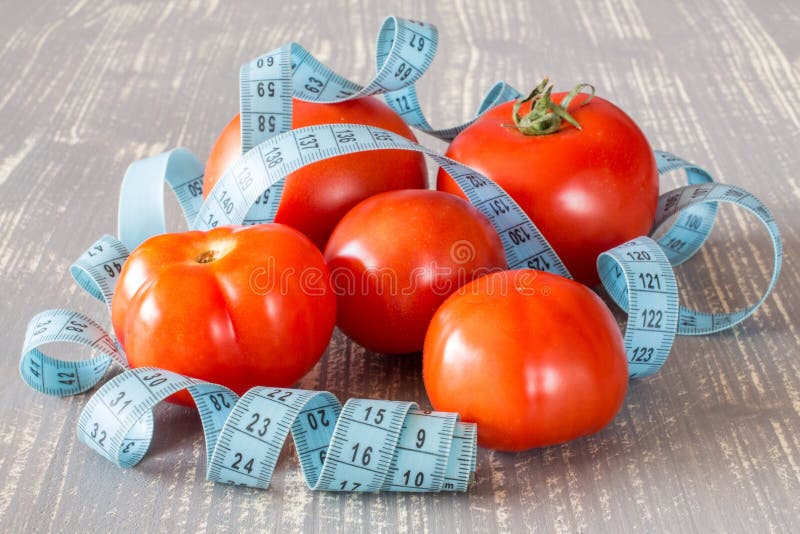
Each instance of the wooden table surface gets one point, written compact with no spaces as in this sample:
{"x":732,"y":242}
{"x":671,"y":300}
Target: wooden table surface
{"x":711,"y":443}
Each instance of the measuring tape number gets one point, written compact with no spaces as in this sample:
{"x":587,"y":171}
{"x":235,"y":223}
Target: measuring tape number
{"x":367,"y":445}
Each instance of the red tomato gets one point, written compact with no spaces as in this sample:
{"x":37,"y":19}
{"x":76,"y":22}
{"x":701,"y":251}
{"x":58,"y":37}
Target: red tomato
{"x":237,"y":306}
{"x":317,"y":196}
{"x":534,"y":358}
{"x":396,"y":257}
{"x":587,"y":190}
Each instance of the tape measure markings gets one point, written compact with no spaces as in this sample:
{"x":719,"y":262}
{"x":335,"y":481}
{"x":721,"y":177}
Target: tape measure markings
{"x":96,"y":270}
{"x":462,"y":452}
{"x":247,"y":449}
{"x":412,"y":444}
{"x":141,"y":197}
{"x":404,"y":51}
{"x":404,"y":100}
{"x":638,"y":277}
{"x":272,"y":160}
{"x":693,"y":225}
{"x":54,"y":376}
{"x":696,"y":323}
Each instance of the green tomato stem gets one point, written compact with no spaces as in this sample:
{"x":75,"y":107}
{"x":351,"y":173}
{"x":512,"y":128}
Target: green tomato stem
{"x":545,"y":116}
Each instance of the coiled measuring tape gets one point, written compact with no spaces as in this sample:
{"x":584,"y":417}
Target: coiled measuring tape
{"x":404,"y":51}
{"x":367,"y":445}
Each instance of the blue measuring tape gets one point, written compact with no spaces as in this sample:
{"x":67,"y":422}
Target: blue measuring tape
{"x":367,"y":445}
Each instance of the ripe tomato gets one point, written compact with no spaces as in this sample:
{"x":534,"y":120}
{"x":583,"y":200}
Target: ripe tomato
{"x":534,"y":358}
{"x":396,"y":257}
{"x":587,"y":190}
{"x":318,"y":195}
{"x":237,"y":306}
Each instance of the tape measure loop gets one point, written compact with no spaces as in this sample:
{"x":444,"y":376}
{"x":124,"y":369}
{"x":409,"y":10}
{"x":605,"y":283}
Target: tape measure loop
{"x":698,"y":323}
{"x":428,"y":457}
{"x":96,"y":270}
{"x":638,"y":277}
{"x":363,"y":443}
{"x":141,"y":198}
{"x":692,"y":225}
{"x":368,"y":445}
{"x":117,"y":422}
{"x":59,"y":377}
{"x":405,"y":50}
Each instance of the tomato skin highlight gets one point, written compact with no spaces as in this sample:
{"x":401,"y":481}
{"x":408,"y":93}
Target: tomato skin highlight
{"x":587,"y":191}
{"x":533,"y":358}
{"x":317,"y":196}
{"x":248,"y":317}
{"x":426,"y":243}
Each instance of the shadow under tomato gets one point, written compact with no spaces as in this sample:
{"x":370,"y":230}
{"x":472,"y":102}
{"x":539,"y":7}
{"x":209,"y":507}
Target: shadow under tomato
{"x":350,"y":371}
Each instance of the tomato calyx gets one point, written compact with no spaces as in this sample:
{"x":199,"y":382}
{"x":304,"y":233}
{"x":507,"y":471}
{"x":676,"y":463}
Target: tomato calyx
{"x":545,"y":116}
{"x":213,"y":250}
{"x":206,"y":257}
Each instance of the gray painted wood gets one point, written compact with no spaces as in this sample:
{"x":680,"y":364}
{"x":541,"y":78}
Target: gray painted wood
{"x":711,"y":443}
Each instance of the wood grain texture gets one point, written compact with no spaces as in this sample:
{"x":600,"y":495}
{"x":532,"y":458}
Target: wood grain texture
{"x":711,"y":443}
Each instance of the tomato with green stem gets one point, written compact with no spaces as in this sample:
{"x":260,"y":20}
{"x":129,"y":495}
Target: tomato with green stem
{"x":579,"y":166}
